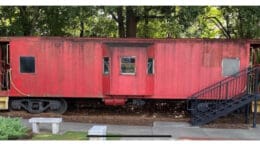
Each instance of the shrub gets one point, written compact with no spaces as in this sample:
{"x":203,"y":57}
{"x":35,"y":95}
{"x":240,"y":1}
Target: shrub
{"x":11,"y":128}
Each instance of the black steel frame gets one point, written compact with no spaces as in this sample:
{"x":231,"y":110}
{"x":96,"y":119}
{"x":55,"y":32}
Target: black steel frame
{"x":226,"y":96}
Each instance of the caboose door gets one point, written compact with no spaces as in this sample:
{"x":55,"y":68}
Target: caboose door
{"x":128,"y":74}
{"x":127,"y":71}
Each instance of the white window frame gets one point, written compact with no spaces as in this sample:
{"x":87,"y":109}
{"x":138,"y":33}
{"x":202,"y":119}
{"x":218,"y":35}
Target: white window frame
{"x":120,"y":60}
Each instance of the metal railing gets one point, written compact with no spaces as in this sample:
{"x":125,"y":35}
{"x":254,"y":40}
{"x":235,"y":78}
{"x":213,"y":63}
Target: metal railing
{"x":243,"y":82}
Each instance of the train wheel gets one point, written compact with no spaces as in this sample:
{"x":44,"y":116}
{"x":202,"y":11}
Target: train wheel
{"x":34,"y":106}
{"x":61,"y":107}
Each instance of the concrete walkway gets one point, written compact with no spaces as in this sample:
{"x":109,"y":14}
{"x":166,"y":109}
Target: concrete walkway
{"x":177,"y":130}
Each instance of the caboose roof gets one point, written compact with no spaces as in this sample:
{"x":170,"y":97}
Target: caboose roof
{"x":7,"y":39}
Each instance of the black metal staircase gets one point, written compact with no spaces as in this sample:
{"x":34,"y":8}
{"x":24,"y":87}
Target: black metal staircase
{"x":224,"y":97}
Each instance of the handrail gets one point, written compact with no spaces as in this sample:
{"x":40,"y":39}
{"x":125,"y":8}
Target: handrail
{"x":228,"y":87}
{"x":223,"y":96}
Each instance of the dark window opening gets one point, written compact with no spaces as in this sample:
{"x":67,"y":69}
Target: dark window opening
{"x":150,"y":68}
{"x":106,"y":65}
{"x":128,"y":65}
{"x":27,"y":65}
{"x":5,"y":66}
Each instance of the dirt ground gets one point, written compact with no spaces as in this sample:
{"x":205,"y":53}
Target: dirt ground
{"x":128,"y":114}
{"x":134,"y":115}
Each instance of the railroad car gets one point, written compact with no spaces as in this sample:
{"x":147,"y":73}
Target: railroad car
{"x":40,"y":73}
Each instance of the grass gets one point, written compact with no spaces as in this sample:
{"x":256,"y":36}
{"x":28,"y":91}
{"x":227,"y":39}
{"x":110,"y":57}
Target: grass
{"x":70,"y":135}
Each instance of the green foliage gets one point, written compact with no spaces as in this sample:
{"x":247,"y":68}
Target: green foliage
{"x":227,"y":22}
{"x":11,"y":128}
{"x":247,"y":22}
{"x":151,"y":21}
{"x":205,"y":27}
{"x":154,"y":29}
{"x":168,"y":21}
{"x":101,"y":26}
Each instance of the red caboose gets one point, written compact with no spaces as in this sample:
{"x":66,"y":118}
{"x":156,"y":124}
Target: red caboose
{"x":40,"y":73}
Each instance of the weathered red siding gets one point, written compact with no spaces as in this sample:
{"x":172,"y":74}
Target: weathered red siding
{"x":73,"y":67}
{"x":185,"y":66}
{"x":63,"y":68}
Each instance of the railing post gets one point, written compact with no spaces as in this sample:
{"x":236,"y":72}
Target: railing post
{"x":255,"y":110}
{"x":248,"y":81}
{"x":227,"y":90}
{"x":257,"y":81}
{"x":255,"y":97}
{"x":219,"y":93}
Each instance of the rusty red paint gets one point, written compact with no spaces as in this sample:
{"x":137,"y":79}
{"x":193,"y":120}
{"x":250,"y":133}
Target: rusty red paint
{"x":73,"y":67}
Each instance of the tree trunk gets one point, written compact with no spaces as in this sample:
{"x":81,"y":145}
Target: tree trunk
{"x":82,"y":29}
{"x":120,"y":20}
{"x":131,"y":22}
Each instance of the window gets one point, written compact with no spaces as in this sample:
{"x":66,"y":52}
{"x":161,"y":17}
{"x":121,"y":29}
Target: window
{"x":27,"y":64}
{"x":150,"y":68}
{"x":230,"y":66}
{"x":128,"y":65}
{"x":106,"y":65}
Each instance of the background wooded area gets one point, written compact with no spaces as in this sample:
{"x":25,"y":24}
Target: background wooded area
{"x":131,"y":21}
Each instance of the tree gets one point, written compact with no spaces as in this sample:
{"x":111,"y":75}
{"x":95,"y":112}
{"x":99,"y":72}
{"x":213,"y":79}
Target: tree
{"x":232,"y":22}
{"x":131,"y":21}
{"x":247,"y":22}
{"x":19,"y":20}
